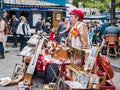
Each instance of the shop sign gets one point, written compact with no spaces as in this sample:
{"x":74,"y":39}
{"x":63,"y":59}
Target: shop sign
{"x":53,"y":9}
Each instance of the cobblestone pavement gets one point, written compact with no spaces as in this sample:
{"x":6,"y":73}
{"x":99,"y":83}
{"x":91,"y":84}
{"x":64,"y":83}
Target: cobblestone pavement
{"x":11,"y":58}
{"x":7,"y":67}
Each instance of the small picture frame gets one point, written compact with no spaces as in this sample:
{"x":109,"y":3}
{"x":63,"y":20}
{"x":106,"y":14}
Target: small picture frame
{"x":82,"y":79}
{"x":89,"y":63}
{"x":17,"y":70}
{"x":26,"y":51}
{"x":93,"y":52}
{"x":76,"y":57}
{"x":58,"y":16}
{"x":94,"y":79}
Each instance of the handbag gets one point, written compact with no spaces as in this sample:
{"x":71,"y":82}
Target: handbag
{"x":6,"y":31}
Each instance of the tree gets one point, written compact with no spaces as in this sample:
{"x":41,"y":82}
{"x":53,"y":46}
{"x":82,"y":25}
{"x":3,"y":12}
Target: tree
{"x":101,"y":5}
{"x":76,"y":3}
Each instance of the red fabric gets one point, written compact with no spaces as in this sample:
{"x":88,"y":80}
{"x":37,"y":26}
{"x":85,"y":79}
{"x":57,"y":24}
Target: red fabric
{"x":39,"y":64}
{"x":42,"y":64}
{"x":77,"y":12}
{"x":105,"y":66}
{"x":51,"y":37}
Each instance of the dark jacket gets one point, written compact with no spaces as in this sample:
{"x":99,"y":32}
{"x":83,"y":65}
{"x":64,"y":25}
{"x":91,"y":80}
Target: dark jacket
{"x":14,"y":25}
{"x":112,"y":30}
{"x":38,"y":26}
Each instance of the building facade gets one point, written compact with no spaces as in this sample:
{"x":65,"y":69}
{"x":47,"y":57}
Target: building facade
{"x":33,"y":9}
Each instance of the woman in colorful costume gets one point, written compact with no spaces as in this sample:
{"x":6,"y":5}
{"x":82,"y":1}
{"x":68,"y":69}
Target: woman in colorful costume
{"x":79,"y":32}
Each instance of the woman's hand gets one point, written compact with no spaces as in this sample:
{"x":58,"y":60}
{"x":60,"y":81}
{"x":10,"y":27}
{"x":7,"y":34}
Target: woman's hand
{"x":60,"y":32}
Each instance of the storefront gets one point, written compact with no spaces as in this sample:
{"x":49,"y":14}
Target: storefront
{"x":34,"y":9}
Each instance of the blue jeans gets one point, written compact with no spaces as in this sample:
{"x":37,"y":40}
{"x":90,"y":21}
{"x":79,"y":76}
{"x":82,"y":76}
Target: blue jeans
{"x":1,"y":48}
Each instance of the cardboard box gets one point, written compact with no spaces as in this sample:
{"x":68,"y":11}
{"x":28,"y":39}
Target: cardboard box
{"x":60,"y":54}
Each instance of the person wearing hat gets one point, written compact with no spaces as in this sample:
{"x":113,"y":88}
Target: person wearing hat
{"x":79,"y":33}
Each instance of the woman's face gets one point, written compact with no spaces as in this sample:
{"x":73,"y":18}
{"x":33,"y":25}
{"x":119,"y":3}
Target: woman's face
{"x":73,"y":19}
{"x":5,"y":14}
{"x":66,"y":21}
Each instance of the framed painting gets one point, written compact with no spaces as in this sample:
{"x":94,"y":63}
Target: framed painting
{"x":58,"y":16}
{"x":82,"y":79}
{"x":18,"y":69}
{"x":77,"y":58}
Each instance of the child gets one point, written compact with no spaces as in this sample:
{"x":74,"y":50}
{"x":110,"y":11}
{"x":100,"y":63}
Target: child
{"x":52,"y":35}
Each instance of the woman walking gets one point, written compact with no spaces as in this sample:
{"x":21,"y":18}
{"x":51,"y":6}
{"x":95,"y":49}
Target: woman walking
{"x":2,"y":37}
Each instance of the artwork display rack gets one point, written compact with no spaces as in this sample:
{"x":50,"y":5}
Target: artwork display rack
{"x":85,"y":71}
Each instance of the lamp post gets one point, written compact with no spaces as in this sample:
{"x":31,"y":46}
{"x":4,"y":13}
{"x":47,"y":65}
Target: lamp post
{"x":112,"y":10}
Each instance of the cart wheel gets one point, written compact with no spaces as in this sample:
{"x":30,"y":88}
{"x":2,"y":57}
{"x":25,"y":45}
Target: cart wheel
{"x":61,"y":84}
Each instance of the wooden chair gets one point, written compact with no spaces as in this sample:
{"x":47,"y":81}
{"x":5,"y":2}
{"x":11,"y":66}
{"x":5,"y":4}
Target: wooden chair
{"x":111,"y":42}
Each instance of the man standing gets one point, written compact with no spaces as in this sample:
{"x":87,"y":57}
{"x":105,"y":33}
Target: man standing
{"x":14,"y":25}
{"x":38,"y":25}
{"x":105,"y":24}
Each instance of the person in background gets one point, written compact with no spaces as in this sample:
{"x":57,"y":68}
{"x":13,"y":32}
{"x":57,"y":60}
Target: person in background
{"x":91,"y":33}
{"x":64,"y":32}
{"x":97,"y":30}
{"x":104,"y":25}
{"x":22,"y":30}
{"x":2,"y":36}
{"x":113,"y":29}
{"x":118,"y":24}
{"x":52,"y":34}
{"x":50,"y":21}
{"x":60,"y":28}
{"x":6,"y":31}
{"x":14,"y":25}
{"x":42,"y":27}
{"x":38,"y":25}
{"x":47,"y":28}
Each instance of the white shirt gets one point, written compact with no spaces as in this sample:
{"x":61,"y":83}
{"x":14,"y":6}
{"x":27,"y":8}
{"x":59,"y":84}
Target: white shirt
{"x":20,"y":29}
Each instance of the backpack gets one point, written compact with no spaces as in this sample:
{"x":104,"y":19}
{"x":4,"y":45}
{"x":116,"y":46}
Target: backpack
{"x":104,"y":65}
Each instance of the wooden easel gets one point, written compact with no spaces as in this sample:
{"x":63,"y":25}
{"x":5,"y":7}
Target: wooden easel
{"x":30,"y":70}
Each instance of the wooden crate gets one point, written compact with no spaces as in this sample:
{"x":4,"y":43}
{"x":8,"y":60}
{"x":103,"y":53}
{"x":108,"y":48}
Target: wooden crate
{"x":47,"y":87}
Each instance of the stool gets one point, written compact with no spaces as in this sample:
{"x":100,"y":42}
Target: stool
{"x":111,"y":42}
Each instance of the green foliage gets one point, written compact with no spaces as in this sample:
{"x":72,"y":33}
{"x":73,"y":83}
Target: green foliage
{"x":101,"y":5}
{"x":75,"y":2}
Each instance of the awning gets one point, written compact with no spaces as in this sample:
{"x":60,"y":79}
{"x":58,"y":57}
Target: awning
{"x":32,"y":5}
{"x":30,"y":2}
{"x":95,"y":17}
{"x":35,"y":9}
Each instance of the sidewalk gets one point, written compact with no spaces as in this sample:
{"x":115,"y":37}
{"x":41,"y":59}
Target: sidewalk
{"x":11,"y":58}
{"x":115,"y":63}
